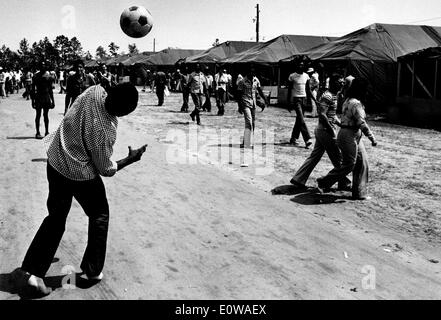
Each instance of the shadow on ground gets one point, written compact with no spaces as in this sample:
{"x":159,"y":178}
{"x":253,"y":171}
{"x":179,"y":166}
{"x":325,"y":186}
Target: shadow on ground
{"x":20,"y":138}
{"x":313,"y":199}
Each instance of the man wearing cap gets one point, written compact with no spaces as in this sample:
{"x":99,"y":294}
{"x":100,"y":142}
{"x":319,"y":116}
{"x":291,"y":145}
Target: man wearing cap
{"x":79,"y":153}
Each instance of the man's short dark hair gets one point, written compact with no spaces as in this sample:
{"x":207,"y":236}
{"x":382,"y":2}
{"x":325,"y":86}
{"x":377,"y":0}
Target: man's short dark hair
{"x":78,"y":63}
{"x":122,"y":99}
{"x":358,"y":89}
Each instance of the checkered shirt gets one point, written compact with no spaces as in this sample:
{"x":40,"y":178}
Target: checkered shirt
{"x":82,"y":146}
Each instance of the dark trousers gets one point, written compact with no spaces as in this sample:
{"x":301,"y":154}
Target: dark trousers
{"x":160,"y":94}
{"x":45,"y":119}
{"x":91,"y":195}
{"x":221,"y":98}
{"x":197,"y":100}
{"x":300,"y":124}
{"x":186,"y":97}
{"x":207,"y":103}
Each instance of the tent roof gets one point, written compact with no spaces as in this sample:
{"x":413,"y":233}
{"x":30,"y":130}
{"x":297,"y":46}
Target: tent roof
{"x":136,"y":58}
{"x":377,"y":42}
{"x":429,"y":53}
{"x":168,"y":57}
{"x":117,"y":60}
{"x":277,"y":49}
{"x":220,"y":52}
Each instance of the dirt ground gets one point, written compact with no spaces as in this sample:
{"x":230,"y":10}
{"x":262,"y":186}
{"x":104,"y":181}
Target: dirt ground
{"x":206,"y":221}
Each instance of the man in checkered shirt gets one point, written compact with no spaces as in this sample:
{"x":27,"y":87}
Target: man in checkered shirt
{"x":79,"y":153}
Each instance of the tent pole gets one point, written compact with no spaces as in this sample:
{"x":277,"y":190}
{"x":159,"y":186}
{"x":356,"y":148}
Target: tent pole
{"x":399,"y":79}
{"x":436,"y":80}
{"x":413,"y":77}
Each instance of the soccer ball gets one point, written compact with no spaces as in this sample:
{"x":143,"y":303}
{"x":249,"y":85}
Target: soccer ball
{"x":136,"y":21}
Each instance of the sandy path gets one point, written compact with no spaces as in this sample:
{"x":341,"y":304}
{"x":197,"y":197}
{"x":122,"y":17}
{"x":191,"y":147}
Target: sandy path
{"x":204,"y":231}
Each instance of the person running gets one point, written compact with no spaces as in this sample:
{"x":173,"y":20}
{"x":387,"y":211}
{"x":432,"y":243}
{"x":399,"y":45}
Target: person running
{"x":353,"y":125}
{"x":76,"y":84}
{"x":79,"y":153}
{"x":325,"y":137}
{"x":221,"y":82}
{"x":198,"y":84}
{"x":160,"y":82}
{"x":247,"y":89}
{"x":42,"y":96}
{"x":297,"y":93}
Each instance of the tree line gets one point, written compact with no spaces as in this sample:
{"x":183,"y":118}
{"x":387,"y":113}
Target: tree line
{"x":58,"y":53}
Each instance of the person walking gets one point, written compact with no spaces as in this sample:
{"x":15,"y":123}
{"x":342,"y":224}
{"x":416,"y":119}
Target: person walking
{"x":198,"y":84}
{"x":2,"y":83}
{"x":221,"y":82}
{"x":208,"y":90}
{"x":297,"y":93}
{"x":349,"y":140}
{"x":76,"y":84}
{"x":28,"y":84}
{"x":42,"y":96}
{"x":79,"y":153}
{"x":159,"y":83}
{"x":247,"y":89}
{"x":325,"y":137}
{"x":314,"y":84}
{"x":185,"y":89}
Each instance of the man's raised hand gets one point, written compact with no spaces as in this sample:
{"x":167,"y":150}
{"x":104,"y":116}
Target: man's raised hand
{"x":135,"y":155}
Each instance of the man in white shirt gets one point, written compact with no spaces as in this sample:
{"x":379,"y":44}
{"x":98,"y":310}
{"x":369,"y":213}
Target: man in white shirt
{"x":314,"y":85}
{"x":297,"y":94}
{"x":221,"y":80}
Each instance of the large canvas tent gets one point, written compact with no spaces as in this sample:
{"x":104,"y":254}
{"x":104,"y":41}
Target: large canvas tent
{"x":167,"y":57}
{"x":418,"y":99}
{"x":136,"y":58}
{"x":281,"y":47}
{"x":220,"y":52}
{"x":372,"y":53}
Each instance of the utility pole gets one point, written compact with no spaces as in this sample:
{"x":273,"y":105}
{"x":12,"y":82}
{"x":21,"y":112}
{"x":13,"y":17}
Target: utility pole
{"x":257,"y":22}
{"x":154,"y":44}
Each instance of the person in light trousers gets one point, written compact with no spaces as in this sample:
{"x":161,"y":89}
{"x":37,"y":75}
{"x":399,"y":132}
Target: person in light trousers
{"x":247,"y":88}
{"x":325,"y":137}
{"x":349,"y":140}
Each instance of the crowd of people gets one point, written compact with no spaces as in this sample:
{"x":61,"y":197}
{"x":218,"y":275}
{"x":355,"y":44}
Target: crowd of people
{"x":80,"y":150}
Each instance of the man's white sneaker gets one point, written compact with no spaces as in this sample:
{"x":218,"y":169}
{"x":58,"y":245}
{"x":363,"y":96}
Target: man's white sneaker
{"x":96,"y":278}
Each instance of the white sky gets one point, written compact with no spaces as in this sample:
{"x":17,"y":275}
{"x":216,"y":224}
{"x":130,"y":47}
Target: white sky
{"x":195,"y":24}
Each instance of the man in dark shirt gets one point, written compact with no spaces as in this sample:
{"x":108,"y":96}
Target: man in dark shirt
{"x":160,"y":83}
{"x":76,"y":84}
{"x":185,"y":89}
{"x":42,"y":98}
